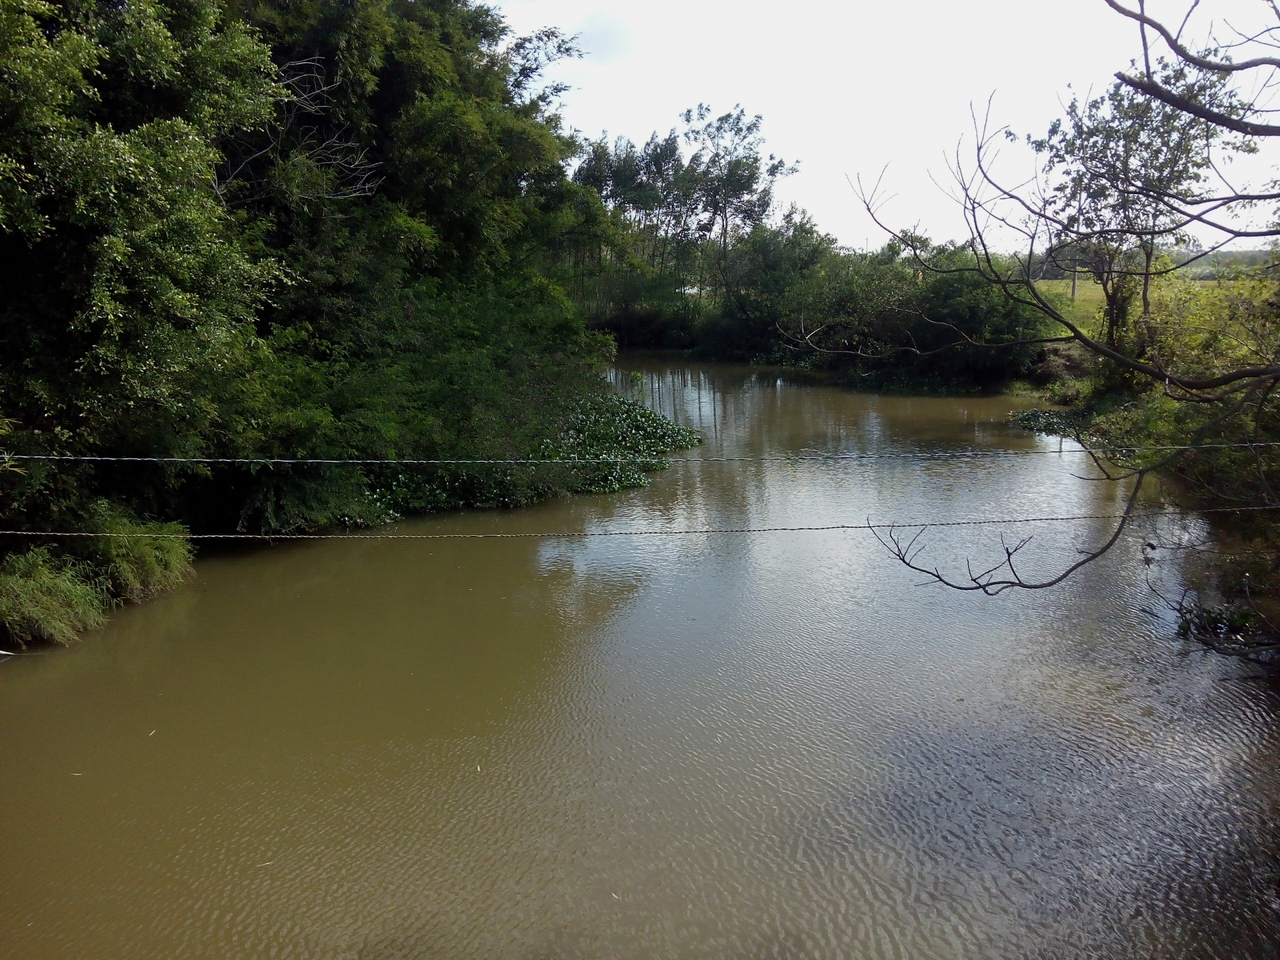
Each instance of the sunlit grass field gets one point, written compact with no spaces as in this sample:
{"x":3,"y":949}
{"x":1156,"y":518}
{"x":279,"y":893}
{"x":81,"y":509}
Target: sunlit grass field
{"x":1088,"y":297}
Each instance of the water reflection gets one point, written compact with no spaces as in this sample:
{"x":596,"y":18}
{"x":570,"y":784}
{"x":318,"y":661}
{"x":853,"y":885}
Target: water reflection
{"x":710,"y":745}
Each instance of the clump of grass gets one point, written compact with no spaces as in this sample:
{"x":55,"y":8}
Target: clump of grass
{"x":138,"y":560}
{"x":43,"y":597}
{"x":50,"y":596}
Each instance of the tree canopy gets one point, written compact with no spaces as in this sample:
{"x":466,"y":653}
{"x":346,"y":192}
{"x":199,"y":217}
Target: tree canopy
{"x":310,"y":230}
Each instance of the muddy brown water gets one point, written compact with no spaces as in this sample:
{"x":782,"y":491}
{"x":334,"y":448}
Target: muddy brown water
{"x":705,"y":745}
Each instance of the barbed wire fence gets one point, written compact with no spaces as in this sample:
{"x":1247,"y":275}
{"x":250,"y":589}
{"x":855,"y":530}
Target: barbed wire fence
{"x":650,"y":462}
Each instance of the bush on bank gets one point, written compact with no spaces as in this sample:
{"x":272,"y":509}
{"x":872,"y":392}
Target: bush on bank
{"x":52,"y":592}
{"x":47,"y":597}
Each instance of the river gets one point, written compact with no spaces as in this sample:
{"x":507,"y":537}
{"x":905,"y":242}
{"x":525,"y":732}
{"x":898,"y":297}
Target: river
{"x":770,"y":744}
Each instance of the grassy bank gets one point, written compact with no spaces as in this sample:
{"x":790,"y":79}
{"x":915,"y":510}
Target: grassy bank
{"x":54,"y":590}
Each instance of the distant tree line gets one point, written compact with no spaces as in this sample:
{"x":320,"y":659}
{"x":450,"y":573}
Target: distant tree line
{"x":699,"y":258}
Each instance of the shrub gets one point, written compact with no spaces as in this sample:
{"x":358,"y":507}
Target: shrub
{"x":46,"y":598}
{"x":138,"y":560}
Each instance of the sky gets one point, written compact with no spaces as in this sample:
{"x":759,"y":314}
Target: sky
{"x":850,"y":89}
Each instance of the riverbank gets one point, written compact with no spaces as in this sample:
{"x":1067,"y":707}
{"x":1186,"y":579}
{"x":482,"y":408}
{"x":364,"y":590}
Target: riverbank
{"x":54,"y":588}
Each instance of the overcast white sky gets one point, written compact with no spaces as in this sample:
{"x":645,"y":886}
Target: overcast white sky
{"x":844,"y":87}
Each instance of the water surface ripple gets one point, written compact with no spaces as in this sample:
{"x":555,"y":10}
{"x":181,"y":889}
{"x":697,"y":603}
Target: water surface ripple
{"x":769,"y":745}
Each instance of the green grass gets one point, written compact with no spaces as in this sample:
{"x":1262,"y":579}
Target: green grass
{"x":137,"y":567}
{"x":43,"y":597}
{"x":1086,"y":304}
{"x":47,"y":596}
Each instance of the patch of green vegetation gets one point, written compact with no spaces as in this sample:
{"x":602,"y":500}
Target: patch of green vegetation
{"x":1218,"y":623}
{"x":698,"y":260}
{"x":209,"y":291}
{"x":610,"y":426}
{"x":44,"y":597}
{"x":137,"y":560}
{"x":54,"y":591}
{"x":599,"y":426}
{"x":1232,"y":627}
{"x":1055,"y":423}
{"x":1088,"y":301}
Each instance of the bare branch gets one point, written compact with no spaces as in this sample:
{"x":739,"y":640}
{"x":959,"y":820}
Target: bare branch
{"x":1198,"y":110}
{"x":1184,"y":54}
{"x":1003,"y":575}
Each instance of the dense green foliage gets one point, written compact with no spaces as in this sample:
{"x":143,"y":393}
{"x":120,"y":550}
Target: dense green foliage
{"x":280,"y":230}
{"x":678,"y":217}
{"x":1110,"y":162}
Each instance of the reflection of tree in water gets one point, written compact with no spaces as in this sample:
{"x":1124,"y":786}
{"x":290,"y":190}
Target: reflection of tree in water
{"x":746,"y":413}
{"x":587,"y":594}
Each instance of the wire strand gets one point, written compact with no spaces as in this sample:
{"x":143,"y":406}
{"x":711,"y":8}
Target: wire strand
{"x":630,"y":459}
{"x":555,"y":535}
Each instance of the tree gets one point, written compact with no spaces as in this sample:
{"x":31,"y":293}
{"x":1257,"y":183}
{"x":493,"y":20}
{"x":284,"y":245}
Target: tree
{"x":1123,"y":176}
{"x":882,"y":316}
{"x":683,"y":200}
{"x":126,"y":320}
{"x":736,"y":189}
{"x":772,"y":272}
{"x":642,"y":271}
{"x":735,"y":180}
{"x":318,"y":232}
{"x":1107,"y":164}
